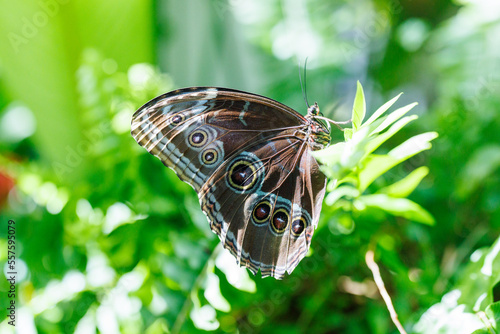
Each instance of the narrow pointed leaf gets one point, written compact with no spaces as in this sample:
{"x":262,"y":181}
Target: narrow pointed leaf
{"x":347,"y":134}
{"x":393,"y":117}
{"x":401,"y":207}
{"x":414,"y":145}
{"x":340,"y":192}
{"x":359,"y":108}
{"x":377,"y":165}
{"x":407,"y":185}
{"x":383,"y":137}
{"x":380,"y":111}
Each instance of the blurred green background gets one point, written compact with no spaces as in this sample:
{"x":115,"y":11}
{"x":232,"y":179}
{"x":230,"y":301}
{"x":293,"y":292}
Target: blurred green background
{"x":110,"y":241}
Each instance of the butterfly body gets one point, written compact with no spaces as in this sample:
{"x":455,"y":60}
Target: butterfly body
{"x":249,"y":159}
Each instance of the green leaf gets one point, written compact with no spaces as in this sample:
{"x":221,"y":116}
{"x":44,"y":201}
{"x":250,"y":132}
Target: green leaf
{"x":236,"y":276}
{"x":448,"y":316}
{"x":348,"y":153}
{"x":493,"y":313}
{"x":214,"y":295}
{"x":359,"y":108}
{"x":401,"y":207}
{"x":376,"y":165}
{"x":380,"y":111}
{"x":330,"y":155}
{"x":405,"y":186}
{"x":479,"y":277}
{"x":394,"y":116}
{"x":383,"y":137}
{"x":340,"y":192}
{"x":469,"y":306}
{"x":482,"y":331}
{"x":348,"y":134}
{"x":414,"y":145}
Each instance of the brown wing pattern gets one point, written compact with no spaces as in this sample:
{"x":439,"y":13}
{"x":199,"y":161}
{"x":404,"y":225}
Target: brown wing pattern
{"x":267,"y":227}
{"x":228,"y":119}
{"x":246,"y":156}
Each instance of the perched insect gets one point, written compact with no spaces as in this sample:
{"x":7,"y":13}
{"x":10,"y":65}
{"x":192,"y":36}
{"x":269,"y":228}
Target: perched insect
{"x":249,"y":159}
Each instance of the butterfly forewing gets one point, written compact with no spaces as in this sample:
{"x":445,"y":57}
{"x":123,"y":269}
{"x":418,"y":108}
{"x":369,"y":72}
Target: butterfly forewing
{"x":249,"y":160}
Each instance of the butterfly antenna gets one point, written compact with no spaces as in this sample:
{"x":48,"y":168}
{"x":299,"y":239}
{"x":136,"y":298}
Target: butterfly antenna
{"x":303,"y":84}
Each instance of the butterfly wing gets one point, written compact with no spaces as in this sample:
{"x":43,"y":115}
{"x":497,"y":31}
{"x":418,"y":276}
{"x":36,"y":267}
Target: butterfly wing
{"x":221,"y":140}
{"x":265,"y":213}
{"x":185,"y":127}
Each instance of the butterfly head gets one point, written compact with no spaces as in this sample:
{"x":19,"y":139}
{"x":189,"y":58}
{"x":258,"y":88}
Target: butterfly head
{"x":313,"y":110}
{"x":320,"y":131}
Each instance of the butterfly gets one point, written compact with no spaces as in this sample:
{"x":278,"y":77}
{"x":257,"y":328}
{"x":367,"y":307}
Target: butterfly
{"x":249,"y":159}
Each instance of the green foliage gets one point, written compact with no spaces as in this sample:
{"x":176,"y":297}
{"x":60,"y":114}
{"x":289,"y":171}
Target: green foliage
{"x":472,"y":305}
{"x":352,"y":166}
{"x":358,"y":110}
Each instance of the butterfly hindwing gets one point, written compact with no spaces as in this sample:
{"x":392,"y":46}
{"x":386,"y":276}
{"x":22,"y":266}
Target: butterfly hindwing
{"x":268,"y":218}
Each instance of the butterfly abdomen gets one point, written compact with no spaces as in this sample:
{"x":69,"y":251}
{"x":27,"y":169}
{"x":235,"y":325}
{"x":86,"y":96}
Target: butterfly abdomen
{"x":320,"y":140}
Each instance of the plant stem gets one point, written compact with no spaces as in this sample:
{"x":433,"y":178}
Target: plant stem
{"x":370,"y":262}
